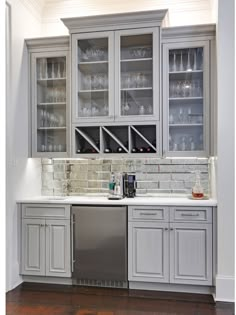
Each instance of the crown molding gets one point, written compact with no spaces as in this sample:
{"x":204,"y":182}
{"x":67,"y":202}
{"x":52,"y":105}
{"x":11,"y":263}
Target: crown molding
{"x":47,"y":42}
{"x":189,"y":31}
{"x":112,"y":21}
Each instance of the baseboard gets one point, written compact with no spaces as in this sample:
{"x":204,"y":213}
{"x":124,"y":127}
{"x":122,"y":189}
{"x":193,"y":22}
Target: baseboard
{"x":52,"y":280}
{"x":225,"y":289}
{"x":183,"y":288}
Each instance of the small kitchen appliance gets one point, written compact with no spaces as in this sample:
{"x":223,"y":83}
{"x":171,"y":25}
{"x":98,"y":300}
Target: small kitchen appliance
{"x":129,"y":184}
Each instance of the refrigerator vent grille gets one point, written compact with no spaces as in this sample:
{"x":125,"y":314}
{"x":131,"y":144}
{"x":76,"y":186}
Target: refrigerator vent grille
{"x":103,"y":283}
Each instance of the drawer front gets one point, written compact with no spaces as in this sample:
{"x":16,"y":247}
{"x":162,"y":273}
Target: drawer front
{"x":191,"y":214}
{"x":46,"y":210}
{"x":148,"y":213}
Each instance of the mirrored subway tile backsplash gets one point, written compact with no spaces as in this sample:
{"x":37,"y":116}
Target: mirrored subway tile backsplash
{"x":154,"y":175}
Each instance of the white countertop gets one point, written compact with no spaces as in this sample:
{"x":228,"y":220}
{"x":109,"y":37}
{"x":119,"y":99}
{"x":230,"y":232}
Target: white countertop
{"x":137,"y":201}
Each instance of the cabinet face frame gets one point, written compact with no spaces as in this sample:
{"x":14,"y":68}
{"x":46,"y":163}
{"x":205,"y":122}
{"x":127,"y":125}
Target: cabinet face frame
{"x":185,"y":44}
{"x":74,"y":73}
{"x":155,"y":31}
{"x":33,"y":102}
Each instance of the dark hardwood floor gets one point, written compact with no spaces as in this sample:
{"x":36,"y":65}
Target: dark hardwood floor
{"x":41,"y":299}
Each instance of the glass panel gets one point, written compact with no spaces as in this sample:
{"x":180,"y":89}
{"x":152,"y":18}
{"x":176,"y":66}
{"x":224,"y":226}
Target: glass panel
{"x":136,"y":75}
{"x":93,"y":81}
{"x":186,"y":100}
{"x":51,"y":104}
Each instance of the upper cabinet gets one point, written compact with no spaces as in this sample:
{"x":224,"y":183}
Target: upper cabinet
{"x":137,"y":74}
{"x":49,"y":97}
{"x":115,"y":73}
{"x":93,"y":77}
{"x":131,"y":86}
{"x":187,"y":89}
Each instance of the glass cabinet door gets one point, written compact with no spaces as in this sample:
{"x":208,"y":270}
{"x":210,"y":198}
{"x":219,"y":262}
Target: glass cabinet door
{"x":187,"y":99}
{"x":137,"y":68}
{"x":93,"y":80}
{"x":50,"y":97}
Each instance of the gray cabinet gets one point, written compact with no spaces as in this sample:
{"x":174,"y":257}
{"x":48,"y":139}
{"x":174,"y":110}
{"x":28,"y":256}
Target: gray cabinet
{"x":170,"y":245}
{"x":148,"y":252}
{"x":33,"y":247}
{"x":191,"y":253}
{"x":49,"y":96}
{"x":187,"y":90}
{"x":45,"y":249}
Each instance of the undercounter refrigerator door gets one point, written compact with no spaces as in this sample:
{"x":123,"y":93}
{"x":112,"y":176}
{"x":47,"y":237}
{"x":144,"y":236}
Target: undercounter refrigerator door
{"x":100,"y":243}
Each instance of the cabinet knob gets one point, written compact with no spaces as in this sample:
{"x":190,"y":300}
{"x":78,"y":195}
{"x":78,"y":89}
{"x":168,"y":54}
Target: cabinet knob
{"x":41,"y":225}
{"x":166,"y":229}
{"x":171,"y":229}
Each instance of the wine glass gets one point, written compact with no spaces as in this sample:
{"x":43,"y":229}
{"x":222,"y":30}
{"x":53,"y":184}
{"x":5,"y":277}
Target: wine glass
{"x":181,"y":66}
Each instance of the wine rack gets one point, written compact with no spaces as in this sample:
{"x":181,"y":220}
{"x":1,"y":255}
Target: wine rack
{"x":127,"y":139}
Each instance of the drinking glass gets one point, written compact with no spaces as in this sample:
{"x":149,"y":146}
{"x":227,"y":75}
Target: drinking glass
{"x":174,"y":66}
{"x":181,"y":66}
{"x":189,"y":61}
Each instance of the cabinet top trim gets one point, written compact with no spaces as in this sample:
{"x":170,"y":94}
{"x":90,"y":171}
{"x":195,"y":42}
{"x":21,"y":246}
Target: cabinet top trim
{"x":178,"y":32}
{"x":47,"y":42}
{"x":81,"y":24}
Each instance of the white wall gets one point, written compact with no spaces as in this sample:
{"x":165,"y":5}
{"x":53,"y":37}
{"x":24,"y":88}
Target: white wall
{"x":226,"y":157}
{"x":181,"y":12}
{"x":23,"y":175}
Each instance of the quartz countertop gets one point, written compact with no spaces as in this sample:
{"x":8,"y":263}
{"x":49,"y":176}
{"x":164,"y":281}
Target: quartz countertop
{"x":136,"y":201}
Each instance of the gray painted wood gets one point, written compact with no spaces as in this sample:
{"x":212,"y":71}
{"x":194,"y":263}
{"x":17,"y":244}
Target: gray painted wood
{"x":191,"y":253}
{"x":191,"y":214}
{"x":58,"y":248}
{"x":96,"y":23}
{"x":155,"y":31}
{"x":54,"y":52}
{"x":206,"y":96}
{"x":33,"y":247}
{"x":148,"y":253}
{"x":49,"y":211}
{"x":148,"y":213}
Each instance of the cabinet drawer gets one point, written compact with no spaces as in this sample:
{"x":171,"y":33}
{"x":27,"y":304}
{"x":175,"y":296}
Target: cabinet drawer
{"x":190,"y":214}
{"x":148,"y":213}
{"x":46,"y":210}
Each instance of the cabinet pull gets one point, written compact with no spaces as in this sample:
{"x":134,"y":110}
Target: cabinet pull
{"x":41,"y":225}
{"x":190,"y":214}
{"x":148,"y":213}
{"x":171,"y":229}
{"x":166,"y":229}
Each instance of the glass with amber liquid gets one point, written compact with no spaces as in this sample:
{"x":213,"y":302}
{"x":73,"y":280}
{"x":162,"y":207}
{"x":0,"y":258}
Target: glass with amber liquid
{"x":197,"y":190}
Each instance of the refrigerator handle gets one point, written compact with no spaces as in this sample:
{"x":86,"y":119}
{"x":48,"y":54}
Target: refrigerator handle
{"x":72,"y":242}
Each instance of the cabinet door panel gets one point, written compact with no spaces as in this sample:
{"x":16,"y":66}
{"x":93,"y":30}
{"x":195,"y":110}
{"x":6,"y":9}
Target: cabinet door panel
{"x":92,"y":73}
{"x":137,"y":81}
{"x":33,"y":247}
{"x":49,"y":98}
{"x":58,"y":248}
{"x":186,"y":98}
{"x":148,"y":252}
{"x":191,"y":253}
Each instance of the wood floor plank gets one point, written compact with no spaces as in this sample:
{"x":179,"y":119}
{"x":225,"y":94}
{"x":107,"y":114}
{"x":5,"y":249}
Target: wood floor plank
{"x":40,"y":299}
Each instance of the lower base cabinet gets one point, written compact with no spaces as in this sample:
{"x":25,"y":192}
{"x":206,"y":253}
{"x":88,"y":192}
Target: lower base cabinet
{"x":45,"y":243}
{"x":173,"y":248}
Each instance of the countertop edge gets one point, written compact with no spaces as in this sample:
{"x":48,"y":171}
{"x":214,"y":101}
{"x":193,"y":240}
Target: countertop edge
{"x":138,"y":201}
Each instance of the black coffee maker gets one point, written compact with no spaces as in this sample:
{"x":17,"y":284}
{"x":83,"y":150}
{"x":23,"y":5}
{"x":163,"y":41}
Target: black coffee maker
{"x":129,"y":185}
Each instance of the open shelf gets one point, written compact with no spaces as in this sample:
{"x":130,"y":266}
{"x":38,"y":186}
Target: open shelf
{"x":111,"y":139}
{"x":112,"y":136}
{"x":143,"y":139}
{"x":87,"y":140}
